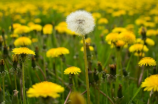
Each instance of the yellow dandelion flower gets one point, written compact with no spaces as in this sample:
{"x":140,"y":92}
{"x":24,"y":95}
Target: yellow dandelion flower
{"x":119,"y":29}
{"x":14,"y":35}
{"x":149,"y":24}
{"x":36,"y":27}
{"x":48,"y":29}
{"x":120,"y":43}
{"x":45,"y":89}
{"x":69,"y":32}
{"x":127,"y":37}
{"x":138,"y":48}
{"x":102,"y":21}
{"x":72,"y":70}
{"x":22,"y":29}
{"x":77,"y":98}
{"x":90,"y":48}
{"x":61,"y":27}
{"x":139,"y":40}
{"x":151,"y":32}
{"x":150,"y":42}
{"x":55,"y":52}
{"x":15,"y":25}
{"x":96,"y":15}
{"x":147,"y":61}
{"x":112,"y":38}
{"x":23,"y":50}
{"x":87,"y":40}
{"x":22,"y":41}
{"x":150,"y":83}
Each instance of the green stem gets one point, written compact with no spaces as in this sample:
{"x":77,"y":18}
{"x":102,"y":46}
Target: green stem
{"x":117,"y":73}
{"x":23,"y":80}
{"x":86,"y":69}
{"x":44,"y":68}
{"x":3,"y":89}
{"x":129,"y":62}
{"x":73,"y":81}
{"x":15,"y":81}
{"x":62,"y":75}
{"x":135,"y":95}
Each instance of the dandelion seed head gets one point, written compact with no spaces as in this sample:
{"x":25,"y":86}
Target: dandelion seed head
{"x":81,"y":22}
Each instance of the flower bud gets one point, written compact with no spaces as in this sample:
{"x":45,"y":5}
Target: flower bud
{"x":36,"y":53}
{"x":125,"y":73}
{"x":112,"y":69}
{"x":96,"y":76}
{"x":77,"y":98}
{"x":88,"y":52}
{"x":143,"y":33}
{"x":1,"y":66}
{"x":5,"y":51}
{"x":100,"y":67}
{"x":15,"y":61}
{"x":119,"y":92}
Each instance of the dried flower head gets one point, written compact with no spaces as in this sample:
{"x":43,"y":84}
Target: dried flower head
{"x":80,"y":22}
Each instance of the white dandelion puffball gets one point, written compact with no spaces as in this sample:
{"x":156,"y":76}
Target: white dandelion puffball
{"x":81,"y":22}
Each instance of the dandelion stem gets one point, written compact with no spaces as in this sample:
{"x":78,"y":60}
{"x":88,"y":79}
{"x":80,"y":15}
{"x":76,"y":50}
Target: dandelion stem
{"x":23,"y":80}
{"x":73,"y":81}
{"x":15,"y":80}
{"x":135,"y":95}
{"x":106,"y":96}
{"x":86,"y":69}
{"x":3,"y":89}
{"x":67,"y":97}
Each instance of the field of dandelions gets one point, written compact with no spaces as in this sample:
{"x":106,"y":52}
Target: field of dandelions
{"x":79,"y":52}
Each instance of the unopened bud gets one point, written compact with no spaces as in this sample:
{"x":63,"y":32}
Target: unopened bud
{"x":119,"y":93}
{"x":112,"y":69}
{"x":96,"y":76}
{"x":15,"y":61}
{"x":2,"y":65}
{"x":125,"y":73}
{"x":100,"y":67}
{"x":36,"y":53}
{"x":143,"y":33}
{"x":5,"y":51}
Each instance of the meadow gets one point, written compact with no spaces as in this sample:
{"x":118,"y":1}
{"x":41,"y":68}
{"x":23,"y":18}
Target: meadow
{"x":79,"y":52}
